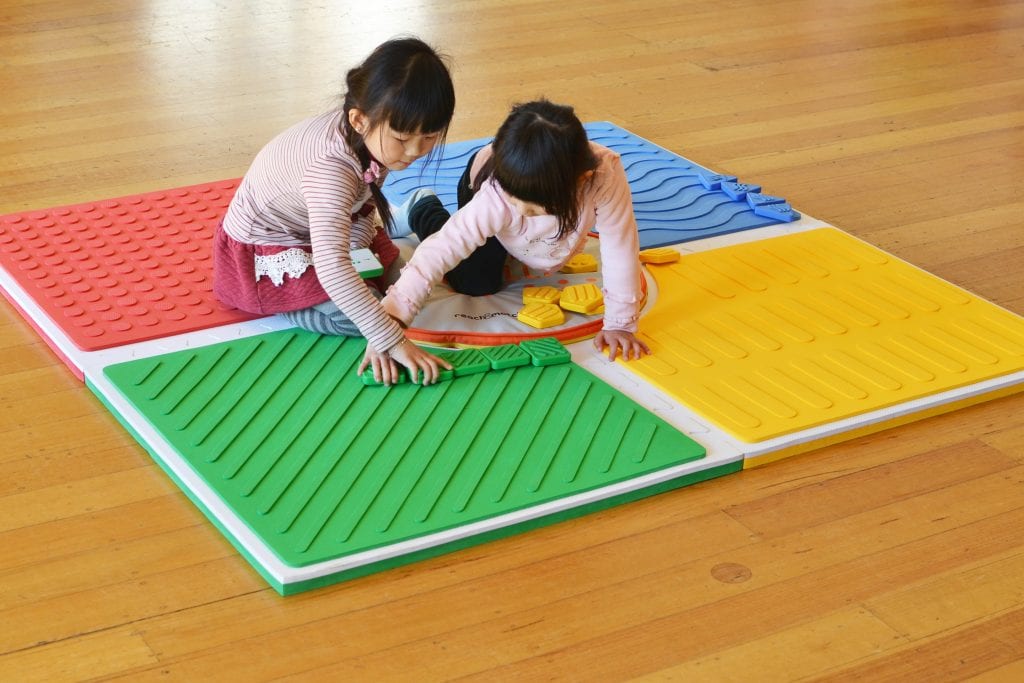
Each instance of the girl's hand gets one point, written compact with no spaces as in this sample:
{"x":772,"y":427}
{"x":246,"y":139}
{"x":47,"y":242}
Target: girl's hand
{"x":415,"y":359}
{"x":385,"y":370}
{"x":620,"y":341}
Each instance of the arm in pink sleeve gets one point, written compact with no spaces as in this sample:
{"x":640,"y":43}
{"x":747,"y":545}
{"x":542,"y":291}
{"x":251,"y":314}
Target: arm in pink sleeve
{"x":620,"y":248}
{"x":484,"y":216}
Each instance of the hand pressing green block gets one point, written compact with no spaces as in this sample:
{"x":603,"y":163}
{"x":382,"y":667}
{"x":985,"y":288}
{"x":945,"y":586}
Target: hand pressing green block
{"x":505,"y":356}
{"x":443,"y":375}
{"x":546,"y":351}
{"x":368,"y":380}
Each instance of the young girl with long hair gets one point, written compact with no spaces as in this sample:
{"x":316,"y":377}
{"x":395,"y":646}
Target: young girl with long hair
{"x":313,"y":194}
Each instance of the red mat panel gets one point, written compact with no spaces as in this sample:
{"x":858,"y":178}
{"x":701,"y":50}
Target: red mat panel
{"x":123,"y":270}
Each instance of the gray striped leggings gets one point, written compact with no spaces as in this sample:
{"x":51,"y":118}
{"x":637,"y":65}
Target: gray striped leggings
{"x":327,"y":318}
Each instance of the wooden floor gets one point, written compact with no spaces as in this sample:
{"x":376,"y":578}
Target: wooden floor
{"x":894,"y":557}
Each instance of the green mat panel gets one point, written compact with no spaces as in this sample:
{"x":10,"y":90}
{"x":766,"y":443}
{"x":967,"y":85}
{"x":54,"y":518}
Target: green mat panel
{"x":319,"y":467}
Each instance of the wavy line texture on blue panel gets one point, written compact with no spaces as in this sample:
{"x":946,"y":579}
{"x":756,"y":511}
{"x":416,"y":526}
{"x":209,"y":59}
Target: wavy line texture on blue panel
{"x":674,"y":199}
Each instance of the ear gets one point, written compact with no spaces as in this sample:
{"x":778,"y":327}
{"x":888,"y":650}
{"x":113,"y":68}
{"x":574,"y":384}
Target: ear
{"x":359,"y":121}
{"x":585,"y":176}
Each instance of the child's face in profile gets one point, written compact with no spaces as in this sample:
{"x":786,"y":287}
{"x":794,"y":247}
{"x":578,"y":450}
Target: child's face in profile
{"x":530,"y":210}
{"x":397,"y":150}
{"x":394,"y":149}
{"x":526,"y":209}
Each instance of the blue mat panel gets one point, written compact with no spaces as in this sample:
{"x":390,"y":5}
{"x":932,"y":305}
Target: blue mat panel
{"x":675,"y":200}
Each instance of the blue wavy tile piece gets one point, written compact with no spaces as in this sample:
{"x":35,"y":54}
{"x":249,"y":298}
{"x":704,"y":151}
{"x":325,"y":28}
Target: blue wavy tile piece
{"x":713,"y":181}
{"x":738,"y":191}
{"x":674,"y":199}
{"x":781,"y":212}
{"x":756,"y":199}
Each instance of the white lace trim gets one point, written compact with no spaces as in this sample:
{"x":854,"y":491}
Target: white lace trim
{"x":291,"y":262}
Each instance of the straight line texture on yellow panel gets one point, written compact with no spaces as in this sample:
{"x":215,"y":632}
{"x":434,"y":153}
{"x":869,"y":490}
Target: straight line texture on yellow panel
{"x":779,"y":335}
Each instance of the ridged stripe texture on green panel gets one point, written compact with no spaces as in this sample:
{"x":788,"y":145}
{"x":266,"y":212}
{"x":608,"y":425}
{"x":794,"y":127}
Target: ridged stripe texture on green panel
{"x":319,"y":467}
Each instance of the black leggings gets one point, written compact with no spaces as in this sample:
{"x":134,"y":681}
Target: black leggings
{"x":480,"y":273}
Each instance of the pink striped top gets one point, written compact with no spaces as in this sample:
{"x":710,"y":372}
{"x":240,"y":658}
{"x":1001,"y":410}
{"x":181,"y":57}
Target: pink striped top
{"x":302,"y":190}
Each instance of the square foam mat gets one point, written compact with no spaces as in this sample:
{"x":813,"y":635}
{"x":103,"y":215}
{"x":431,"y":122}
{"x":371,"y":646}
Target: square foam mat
{"x":775,"y":337}
{"x":119,"y":271}
{"x":317,"y":477}
{"x":674,"y":199}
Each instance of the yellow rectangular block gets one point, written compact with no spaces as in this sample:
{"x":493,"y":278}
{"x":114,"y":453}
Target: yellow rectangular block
{"x":541,"y":315}
{"x":585,"y":299}
{"x":659,"y":256}
{"x":541,"y":295}
{"x":581,"y":263}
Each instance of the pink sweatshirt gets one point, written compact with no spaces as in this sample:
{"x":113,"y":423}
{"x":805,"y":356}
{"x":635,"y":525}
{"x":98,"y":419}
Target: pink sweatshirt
{"x":607,"y":207}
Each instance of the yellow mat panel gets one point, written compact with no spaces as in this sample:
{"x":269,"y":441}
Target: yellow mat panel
{"x":779,"y":335}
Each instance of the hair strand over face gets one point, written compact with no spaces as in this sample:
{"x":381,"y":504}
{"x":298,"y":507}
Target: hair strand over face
{"x":541,"y":153}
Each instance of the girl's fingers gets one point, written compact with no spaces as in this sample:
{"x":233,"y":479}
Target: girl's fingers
{"x":429,"y":372}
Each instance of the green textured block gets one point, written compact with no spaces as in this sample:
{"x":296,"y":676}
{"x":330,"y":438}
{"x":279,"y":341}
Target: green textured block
{"x":368,"y":379}
{"x":464,"y":362}
{"x":505,"y":356}
{"x":546,"y":351}
{"x":280,"y":428}
{"x":366,"y":263}
{"x":469,"y":361}
{"x":443,"y":375}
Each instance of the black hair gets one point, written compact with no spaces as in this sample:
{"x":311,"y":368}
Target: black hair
{"x":540,"y":153}
{"x":405,"y":84}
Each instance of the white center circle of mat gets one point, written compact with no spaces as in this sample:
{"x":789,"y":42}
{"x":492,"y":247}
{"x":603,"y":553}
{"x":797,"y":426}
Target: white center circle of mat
{"x":452,"y":319}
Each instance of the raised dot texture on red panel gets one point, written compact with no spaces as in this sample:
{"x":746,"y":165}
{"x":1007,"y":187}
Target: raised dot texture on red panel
{"x":123,"y":270}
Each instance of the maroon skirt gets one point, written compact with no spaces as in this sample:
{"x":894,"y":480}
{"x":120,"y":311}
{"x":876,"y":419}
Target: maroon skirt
{"x":236,"y":284}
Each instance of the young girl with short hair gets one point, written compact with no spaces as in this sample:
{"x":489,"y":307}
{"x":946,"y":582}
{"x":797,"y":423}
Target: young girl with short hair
{"x":534,"y":193}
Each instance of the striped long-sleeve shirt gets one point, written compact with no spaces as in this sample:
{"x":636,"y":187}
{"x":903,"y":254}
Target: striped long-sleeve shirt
{"x":302,"y":190}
